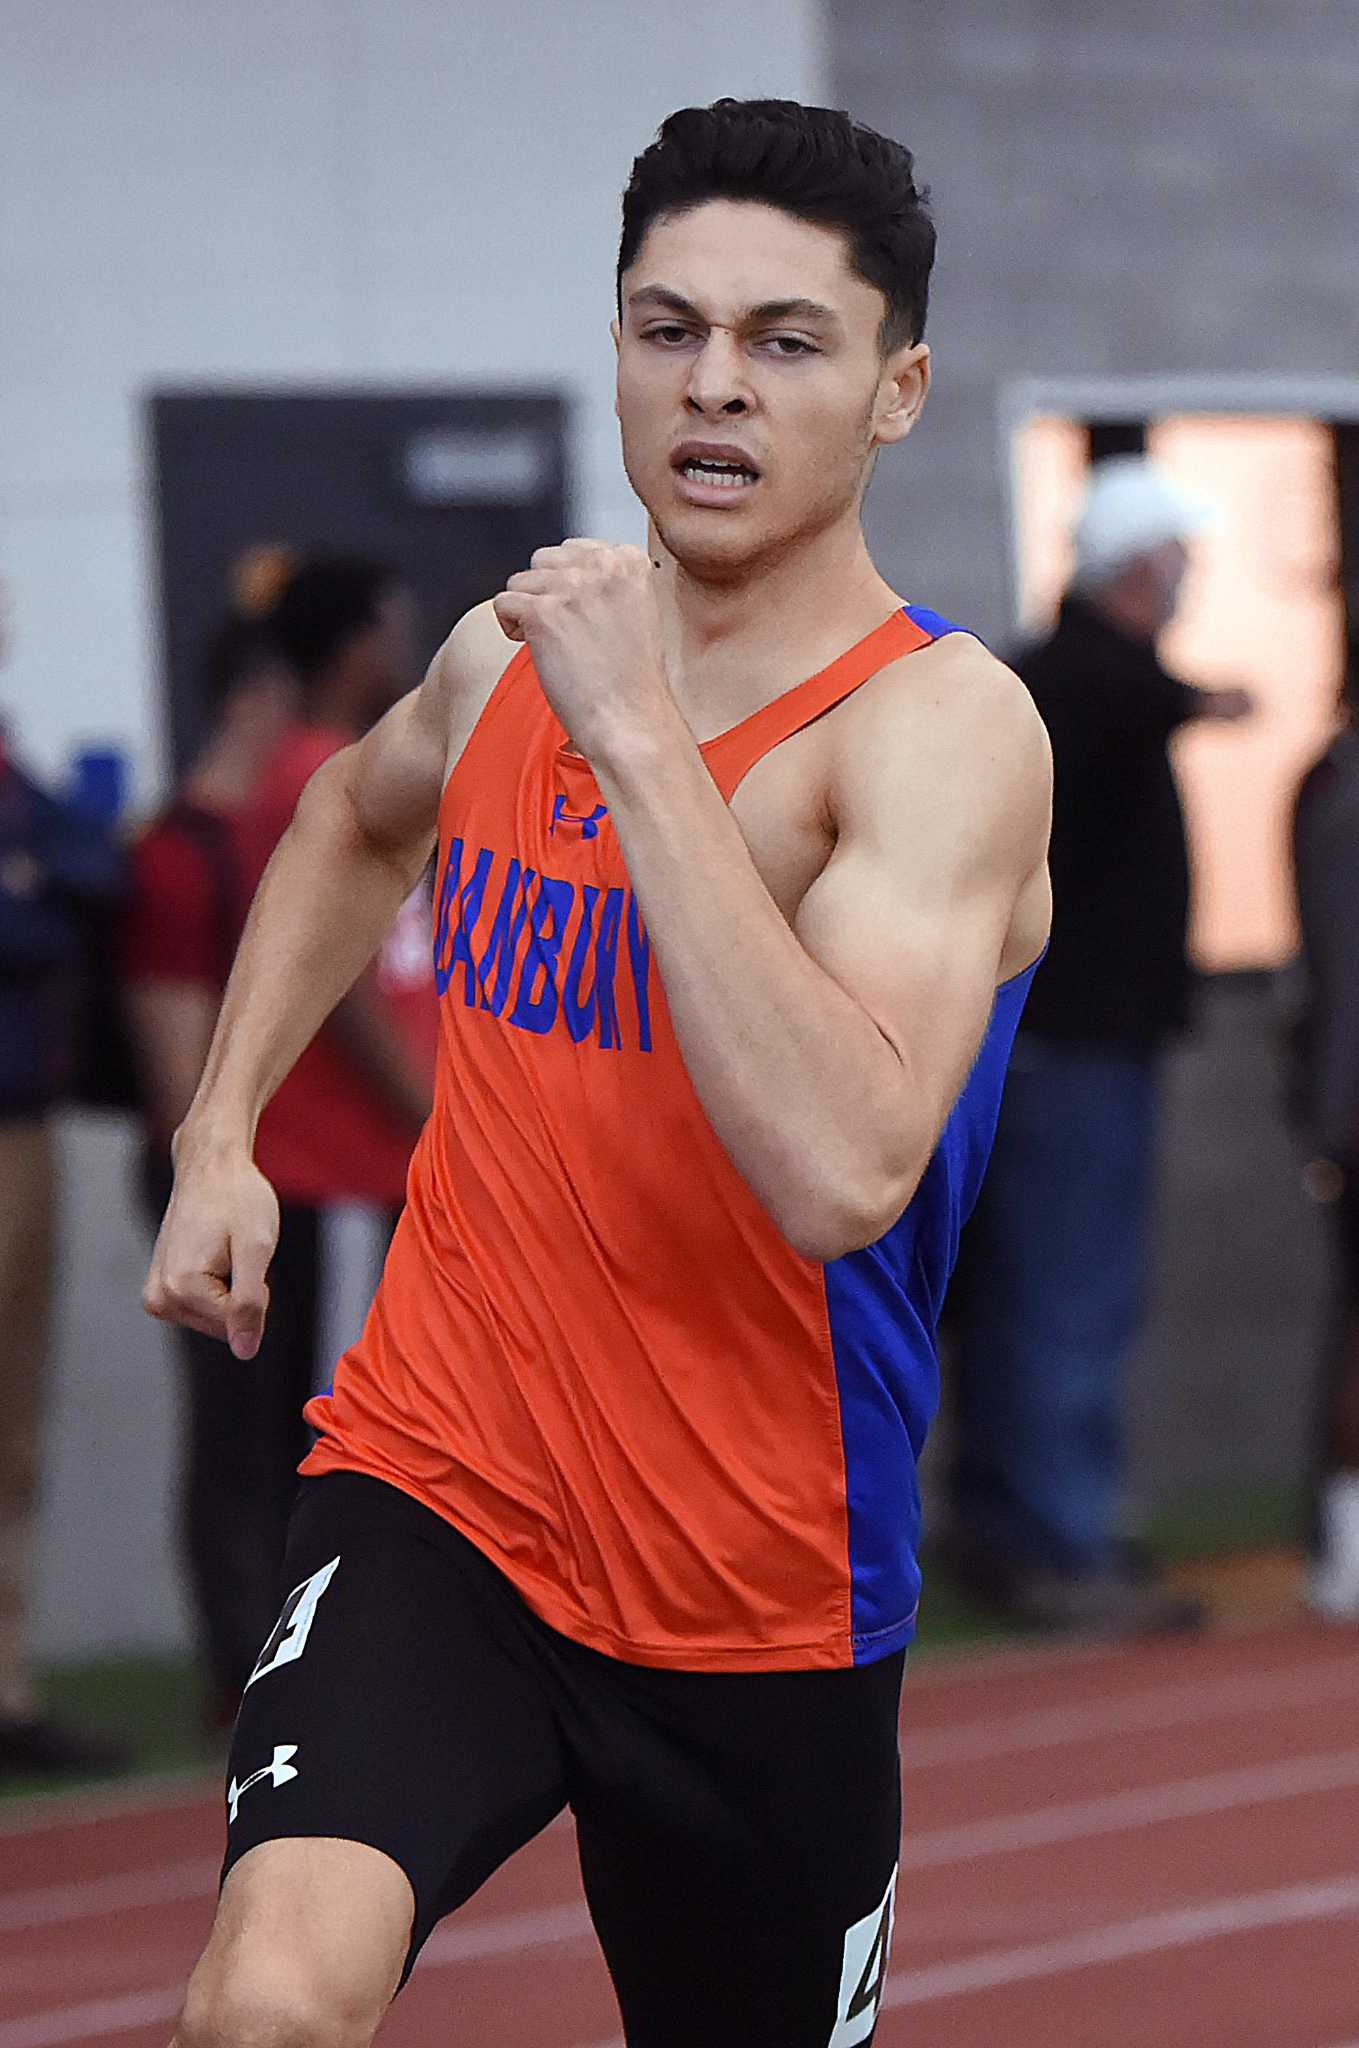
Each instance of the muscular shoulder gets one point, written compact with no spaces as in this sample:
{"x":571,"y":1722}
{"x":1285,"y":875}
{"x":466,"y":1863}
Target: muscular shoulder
{"x":947,"y":744}
{"x":471,"y":661}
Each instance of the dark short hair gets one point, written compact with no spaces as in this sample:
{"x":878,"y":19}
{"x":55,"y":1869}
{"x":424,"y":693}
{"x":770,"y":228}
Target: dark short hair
{"x":325,"y":604}
{"x":235,"y":654}
{"x":812,"y":162}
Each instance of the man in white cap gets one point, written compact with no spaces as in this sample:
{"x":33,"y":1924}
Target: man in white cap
{"x":1055,"y":1261}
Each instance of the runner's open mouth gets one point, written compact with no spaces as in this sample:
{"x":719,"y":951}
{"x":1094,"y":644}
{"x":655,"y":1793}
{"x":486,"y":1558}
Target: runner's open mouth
{"x":727,"y":469}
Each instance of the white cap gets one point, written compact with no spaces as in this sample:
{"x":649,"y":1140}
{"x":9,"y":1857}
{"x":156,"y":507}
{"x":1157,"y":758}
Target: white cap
{"x":1130,"y":508}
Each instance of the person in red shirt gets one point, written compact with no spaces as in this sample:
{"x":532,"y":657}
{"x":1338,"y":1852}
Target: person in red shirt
{"x":183,"y":918}
{"x":341,"y":1128}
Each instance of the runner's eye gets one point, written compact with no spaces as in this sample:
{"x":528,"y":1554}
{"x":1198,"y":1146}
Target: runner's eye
{"x":790,"y":345}
{"x":669,"y":335}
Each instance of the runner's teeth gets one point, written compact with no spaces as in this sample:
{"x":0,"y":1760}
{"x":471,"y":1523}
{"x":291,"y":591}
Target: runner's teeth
{"x":728,"y":473}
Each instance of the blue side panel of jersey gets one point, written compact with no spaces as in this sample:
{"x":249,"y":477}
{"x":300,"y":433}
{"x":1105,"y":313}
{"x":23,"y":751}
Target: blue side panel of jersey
{"x":883,"y":1306}
{"x":888,"y":1379}
{"x":933,"y":623}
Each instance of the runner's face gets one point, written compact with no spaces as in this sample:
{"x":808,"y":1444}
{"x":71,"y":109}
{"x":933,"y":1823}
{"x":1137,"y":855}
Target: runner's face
{"x":745,"y":333}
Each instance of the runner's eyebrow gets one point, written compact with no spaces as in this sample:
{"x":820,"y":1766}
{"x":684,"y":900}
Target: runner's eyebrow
{"x":770,"y":309}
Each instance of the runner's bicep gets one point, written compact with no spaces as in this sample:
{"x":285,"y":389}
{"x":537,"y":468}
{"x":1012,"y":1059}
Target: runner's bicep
{"x":941,"y":831}
{"x":924,"y":970}
{"x":395,"y":776}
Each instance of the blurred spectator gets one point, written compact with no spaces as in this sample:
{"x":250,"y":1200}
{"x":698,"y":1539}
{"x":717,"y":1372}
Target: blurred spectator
{"x":55,"y":863}
{"x":341,"y":1128}
{"x":179,"y":935}
{"x":1054,"y":1267}
{"x":1326,"y":865}
{"x":183,"y":919}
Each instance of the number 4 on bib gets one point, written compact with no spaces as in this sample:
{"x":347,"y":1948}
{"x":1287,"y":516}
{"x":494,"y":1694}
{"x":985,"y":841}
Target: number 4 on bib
{"x":289,"y":1637}
{"x":863,"y":1973}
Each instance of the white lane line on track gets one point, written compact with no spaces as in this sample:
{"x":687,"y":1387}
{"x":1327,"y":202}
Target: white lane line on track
{"x":481,"y":1943}
{"x":933,"y":1849}
{"x":55,"y":1904}
{"x":1126,"y":1939}
{"x":1167,"y":1706}
{"x":1118,"y":1812}
{"x":90,"y":2022}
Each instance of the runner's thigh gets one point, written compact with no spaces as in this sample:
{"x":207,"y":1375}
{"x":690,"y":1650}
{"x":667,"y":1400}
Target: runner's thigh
{"x":391,"y":1706}
{"x":739,"y":1839}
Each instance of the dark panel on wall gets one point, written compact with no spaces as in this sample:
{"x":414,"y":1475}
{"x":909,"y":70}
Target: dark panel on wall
{"x":454,"y":488}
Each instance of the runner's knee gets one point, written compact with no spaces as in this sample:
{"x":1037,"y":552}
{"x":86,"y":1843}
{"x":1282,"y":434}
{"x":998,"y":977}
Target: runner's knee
{"x":270,"y":2004}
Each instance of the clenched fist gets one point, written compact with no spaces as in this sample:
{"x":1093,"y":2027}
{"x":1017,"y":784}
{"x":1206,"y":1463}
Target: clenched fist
{"x":214,"y":1248}
{"x":588,"y":611}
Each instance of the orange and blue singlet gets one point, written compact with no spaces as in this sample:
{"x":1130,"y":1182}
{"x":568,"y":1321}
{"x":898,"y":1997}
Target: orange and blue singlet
{"x":592,"y":1351}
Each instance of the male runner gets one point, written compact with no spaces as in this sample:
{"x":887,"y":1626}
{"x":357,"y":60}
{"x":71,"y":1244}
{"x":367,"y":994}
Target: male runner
{"x":741,"y":877}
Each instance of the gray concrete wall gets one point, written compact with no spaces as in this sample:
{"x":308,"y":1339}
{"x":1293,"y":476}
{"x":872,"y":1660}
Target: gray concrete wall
{"x":1121,"y":190}
{"x":106,"y":1575}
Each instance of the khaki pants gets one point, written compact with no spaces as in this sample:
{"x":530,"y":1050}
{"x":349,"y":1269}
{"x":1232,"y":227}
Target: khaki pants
{"x":27,"y":1241}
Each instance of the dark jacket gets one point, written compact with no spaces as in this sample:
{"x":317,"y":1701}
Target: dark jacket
{"x":1116,"y":975}
{"x":54,"y":864}
{"x":1326,"y":868}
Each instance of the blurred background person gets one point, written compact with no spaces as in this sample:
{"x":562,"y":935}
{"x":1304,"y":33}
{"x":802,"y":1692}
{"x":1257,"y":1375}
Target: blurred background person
{"x":179,"y":935}
{"x":183,"y":915}
{"x":346,"y":627}
{"x":1051,"y":1293}
{"x":335,"y":652}
{"x":1326,"y":1102}
{"x":56,"y":866}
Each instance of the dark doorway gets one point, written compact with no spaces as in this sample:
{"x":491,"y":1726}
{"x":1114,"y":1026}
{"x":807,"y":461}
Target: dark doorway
{"x":454,"y":488}
{"x":1116,"y":437}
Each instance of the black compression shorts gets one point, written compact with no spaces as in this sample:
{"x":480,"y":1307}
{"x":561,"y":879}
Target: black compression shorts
{"x":738,"y":1832}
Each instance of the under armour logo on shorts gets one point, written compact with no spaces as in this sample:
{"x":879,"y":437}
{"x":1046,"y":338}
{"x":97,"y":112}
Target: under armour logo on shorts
{"x":278,"y":1771}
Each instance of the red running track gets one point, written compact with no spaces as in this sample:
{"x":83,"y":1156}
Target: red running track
{"x":1156,"y":1846}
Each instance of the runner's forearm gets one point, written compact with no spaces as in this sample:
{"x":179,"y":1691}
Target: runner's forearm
{"x":327,"y":898}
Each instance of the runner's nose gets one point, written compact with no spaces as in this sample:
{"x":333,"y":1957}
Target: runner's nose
{"x":718,"y":384}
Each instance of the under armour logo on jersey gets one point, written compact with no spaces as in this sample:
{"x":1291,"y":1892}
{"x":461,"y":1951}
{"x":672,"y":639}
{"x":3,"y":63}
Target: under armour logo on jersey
{"x":278,"y":1771}
{"x":589,"y":827}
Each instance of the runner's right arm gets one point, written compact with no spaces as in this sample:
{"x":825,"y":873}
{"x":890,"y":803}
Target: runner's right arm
{"x":362,"y":832}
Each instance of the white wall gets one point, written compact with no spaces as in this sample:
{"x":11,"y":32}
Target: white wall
{"x":302,"y":189}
